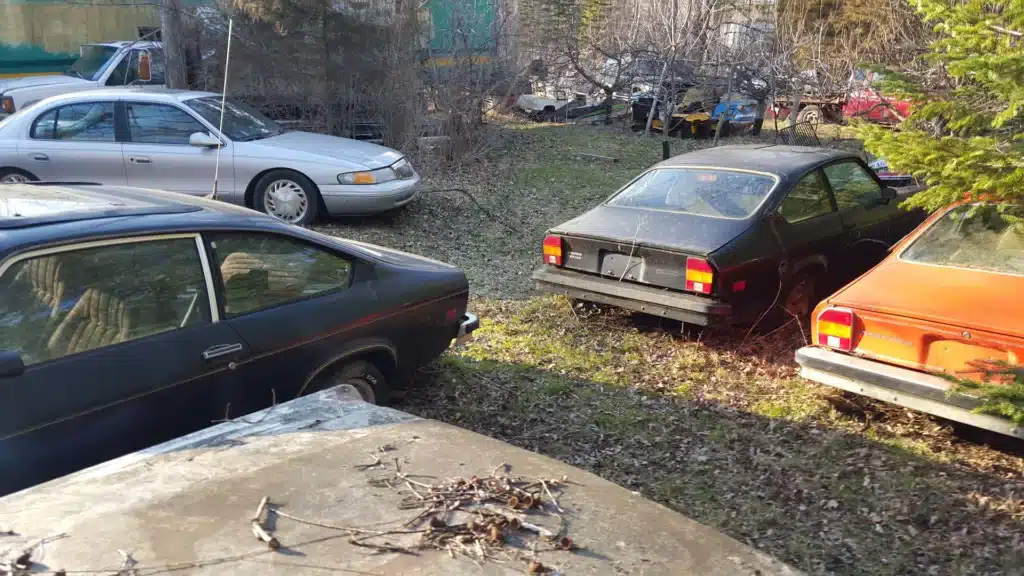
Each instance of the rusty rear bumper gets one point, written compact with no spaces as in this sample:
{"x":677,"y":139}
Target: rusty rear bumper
{"x":901,"y":386}
{"x":687,"y":308}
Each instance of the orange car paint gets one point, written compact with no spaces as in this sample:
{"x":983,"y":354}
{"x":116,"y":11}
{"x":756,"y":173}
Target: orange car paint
{"x":938,"y":319}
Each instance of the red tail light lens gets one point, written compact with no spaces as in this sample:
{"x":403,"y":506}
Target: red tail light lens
{"x":699,"y":275}
{"x":553,"y":250}
{"x":835,"y":328}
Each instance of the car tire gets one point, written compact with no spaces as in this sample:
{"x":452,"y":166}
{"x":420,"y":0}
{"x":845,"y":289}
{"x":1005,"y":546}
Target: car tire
{"x":15,"y":175}
{"x":288,"y":196}
{"x":359,"y":378}
{"x":811,"y":115}
{"x":798,"y":298}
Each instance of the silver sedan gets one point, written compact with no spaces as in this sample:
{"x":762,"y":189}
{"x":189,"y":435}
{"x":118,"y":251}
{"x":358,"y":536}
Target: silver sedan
{"x":169,"y":140}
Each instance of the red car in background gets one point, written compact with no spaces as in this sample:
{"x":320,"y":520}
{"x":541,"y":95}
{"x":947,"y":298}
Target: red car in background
{"x":863,"y":101}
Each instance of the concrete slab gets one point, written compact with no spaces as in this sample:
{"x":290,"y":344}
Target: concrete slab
{"x":185,"y":506}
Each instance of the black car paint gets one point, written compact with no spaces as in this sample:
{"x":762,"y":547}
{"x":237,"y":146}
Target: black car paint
{"x":755,"y":258}
{"x":65,"y":414}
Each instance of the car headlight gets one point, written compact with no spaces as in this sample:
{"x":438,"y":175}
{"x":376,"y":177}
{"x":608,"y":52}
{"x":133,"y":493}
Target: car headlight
{"x":403,"y":169}
{"x":377,"y":176}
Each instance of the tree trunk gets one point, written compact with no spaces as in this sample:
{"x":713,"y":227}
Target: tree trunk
{"x":174,"y":44}
{"x":794,"y":110}
{"x":607,"y":106}
{"x":762,"y":105}
{"x":725,"y":111}
{"x":654,"y":103}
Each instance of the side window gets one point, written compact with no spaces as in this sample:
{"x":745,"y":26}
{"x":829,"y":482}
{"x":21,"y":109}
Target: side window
{"x":160,"y":124}
{"x":852,"y":185}
{"x":44,"y":126}
{"x":807,"y":199}
{"x":119,"y":75}
{"x":86,"y":121}
{"x":60,"y":304}
{"x":265,"y":270}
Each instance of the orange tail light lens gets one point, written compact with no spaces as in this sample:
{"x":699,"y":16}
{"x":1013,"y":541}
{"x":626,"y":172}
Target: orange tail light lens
{"x":699,"y":275}
{"x":835,"y":328}
{"x":553,"y":250}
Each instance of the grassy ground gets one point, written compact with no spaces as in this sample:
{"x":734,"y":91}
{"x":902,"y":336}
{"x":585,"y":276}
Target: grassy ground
{"x":720,"y":428}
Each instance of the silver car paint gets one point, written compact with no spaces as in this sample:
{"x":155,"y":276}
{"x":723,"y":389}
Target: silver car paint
{"x":189,"y":169}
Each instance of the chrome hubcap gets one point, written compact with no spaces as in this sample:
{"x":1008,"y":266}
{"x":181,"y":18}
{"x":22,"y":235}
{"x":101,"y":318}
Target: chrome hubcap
{"x":286,"y":200}
{"x":14,"y":178}
{"x":356,"y":390}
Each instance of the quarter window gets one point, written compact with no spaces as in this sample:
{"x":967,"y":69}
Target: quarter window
{"x":807,"y":199}
{"x":71,"y":302}
{"x":263,"y":270}
{"x":852,"y":185}
{"x":85,"y":121}
{"x":161,"y":124}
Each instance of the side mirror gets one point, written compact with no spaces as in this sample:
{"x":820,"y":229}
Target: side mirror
{"x":887,"y":195}
{"x":11,"y":363}
{"x":203,"y":140}
{"x":145,"y":66}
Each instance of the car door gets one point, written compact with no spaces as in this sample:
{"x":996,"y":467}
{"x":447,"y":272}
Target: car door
{"x":157,"y":153}
{"x":296,"y":304}
{"x":808,"y":224}
{"x":121,"y":347}
{"x":75,"y":142}
{"x":867,"y":214}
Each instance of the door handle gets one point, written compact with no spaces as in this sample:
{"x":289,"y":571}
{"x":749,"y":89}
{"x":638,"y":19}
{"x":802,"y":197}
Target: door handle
{"x":139,"y":160}
{"x":221,"y":350}
{"x":41,"y":157}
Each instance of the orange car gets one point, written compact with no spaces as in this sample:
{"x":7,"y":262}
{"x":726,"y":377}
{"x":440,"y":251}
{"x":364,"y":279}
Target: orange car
{"x":947,"y":301}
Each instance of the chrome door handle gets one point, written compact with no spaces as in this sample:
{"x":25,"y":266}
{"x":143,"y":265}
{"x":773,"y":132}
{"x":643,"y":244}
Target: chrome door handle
{"x":139,"y":160}
{"x":221,"y":350}
{"x":41,"y":157}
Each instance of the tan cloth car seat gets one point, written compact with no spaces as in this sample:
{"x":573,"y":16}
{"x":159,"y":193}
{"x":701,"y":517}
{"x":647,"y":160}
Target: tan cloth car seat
{"x":42,"y":278}
{"x":98,"y":319}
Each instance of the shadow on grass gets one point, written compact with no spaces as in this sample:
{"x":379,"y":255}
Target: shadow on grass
{"x":824,"y":500}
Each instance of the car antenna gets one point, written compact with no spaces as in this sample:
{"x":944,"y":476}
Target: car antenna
{"x":223,"y":99}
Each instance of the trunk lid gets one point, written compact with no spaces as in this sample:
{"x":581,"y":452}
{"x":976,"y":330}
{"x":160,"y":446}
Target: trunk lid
{"x":645,"y":246}
{"x":937,"y":318}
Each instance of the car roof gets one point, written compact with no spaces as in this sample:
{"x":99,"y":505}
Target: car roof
{"x":42,"y":213}
{"x":773,"y":159}
{"x":37,"y":214}
{"x":145,"y":93}
{"x":132,"y":43}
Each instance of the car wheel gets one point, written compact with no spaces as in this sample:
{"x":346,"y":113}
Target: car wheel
{"x":288,"y":196}
{"x":15,"y":176}
{"x":811,"y":115}
{"x":360,"y":380}
{"x":798,"y":300}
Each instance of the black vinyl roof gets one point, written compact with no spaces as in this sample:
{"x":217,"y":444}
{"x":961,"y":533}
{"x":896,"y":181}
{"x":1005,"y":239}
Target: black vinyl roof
{"x":780,"y":160}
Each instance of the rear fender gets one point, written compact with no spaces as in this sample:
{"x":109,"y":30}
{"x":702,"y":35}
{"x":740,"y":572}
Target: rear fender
{"x":361,"y":349}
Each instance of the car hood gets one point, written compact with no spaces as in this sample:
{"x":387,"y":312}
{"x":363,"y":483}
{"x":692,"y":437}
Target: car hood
{"x":188,"y":502}
{"x":29,"y":81}
{"x":298,"y":145}
{"x":959,"y":297}
{"x":699,"y":235}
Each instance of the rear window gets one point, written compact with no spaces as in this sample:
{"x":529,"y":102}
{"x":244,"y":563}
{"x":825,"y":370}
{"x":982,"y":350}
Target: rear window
{"x":700,"y":191}
{"x":978,"y":237}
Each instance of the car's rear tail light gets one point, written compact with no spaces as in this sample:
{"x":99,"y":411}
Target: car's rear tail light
{"x":835,"y":328}
{"x":699,"y":275}
{"x":553,"y":250}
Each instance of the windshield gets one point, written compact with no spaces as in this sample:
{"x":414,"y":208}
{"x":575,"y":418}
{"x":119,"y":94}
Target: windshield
{"x":92,"y":63}
{"x":701,"y":191}
{"x":978,"y":237}
{"x":242,"y":123}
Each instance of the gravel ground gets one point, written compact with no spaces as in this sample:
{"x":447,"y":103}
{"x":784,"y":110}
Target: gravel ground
{"x":722,"y":430}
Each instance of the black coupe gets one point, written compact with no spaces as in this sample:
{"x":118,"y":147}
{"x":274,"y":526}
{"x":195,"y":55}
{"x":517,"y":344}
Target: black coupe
{"x":131,"y":317}
{"x":734,"y":234}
